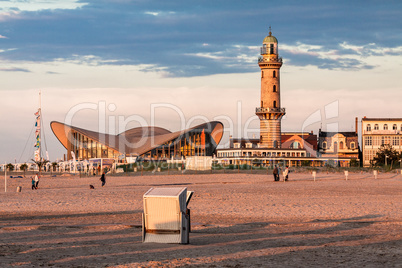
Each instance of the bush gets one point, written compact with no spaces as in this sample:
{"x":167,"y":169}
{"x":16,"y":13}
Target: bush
{"x":10,"y":167}
{"x":354,"y":163}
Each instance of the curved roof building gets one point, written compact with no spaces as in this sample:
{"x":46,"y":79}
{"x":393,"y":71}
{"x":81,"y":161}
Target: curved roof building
{"x":145,"y":142}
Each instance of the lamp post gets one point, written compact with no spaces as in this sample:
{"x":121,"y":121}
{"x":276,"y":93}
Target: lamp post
{"x":386,"y":160}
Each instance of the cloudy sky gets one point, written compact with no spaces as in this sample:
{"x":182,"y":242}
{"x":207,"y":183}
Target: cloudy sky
{"x":112,"y":65}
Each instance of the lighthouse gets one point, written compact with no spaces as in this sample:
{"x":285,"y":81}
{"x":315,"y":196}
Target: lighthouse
{"x":270,"y":111}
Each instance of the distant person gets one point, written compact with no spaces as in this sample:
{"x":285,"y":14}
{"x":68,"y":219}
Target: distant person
{"x":103,"y":179}
{"x":279,"y":172}
{"x":93,"y":171}
{"x":36,"y":181}
{"x":286,"y":173}
{"x":99,"y":168}
{"x":33,"y":183}
{"x":276,"y":173}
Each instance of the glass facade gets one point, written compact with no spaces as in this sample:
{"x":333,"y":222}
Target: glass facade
{"x":194,"y":143}
{"x":86,"y":148}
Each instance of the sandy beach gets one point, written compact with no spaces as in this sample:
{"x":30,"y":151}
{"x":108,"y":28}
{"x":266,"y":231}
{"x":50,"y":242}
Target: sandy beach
{"x":238,"y":220}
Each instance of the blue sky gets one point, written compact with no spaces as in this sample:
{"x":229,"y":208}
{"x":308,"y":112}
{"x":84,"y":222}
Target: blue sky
{"x":198,"y":56}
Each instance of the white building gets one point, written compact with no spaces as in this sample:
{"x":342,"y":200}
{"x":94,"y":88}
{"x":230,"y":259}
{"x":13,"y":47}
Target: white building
{"x":379,"y":131}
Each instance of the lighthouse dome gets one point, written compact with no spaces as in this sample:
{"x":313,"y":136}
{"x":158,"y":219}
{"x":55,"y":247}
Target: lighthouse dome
{"x":270,"y":39}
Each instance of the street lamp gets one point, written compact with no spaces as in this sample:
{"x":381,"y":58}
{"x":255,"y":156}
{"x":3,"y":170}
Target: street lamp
{"x":386,"y":160}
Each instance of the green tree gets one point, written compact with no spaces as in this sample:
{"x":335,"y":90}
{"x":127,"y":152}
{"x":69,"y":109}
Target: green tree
{"x":354,"y":163}
{"x":24,"y":168}
{"x":40,"y":163}
{"x":386,"y":155}
{"x":10,"y":167}
{"x":54,"y":165}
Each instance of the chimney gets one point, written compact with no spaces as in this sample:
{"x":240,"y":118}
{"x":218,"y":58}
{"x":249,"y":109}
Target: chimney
{"x":356,"y":127}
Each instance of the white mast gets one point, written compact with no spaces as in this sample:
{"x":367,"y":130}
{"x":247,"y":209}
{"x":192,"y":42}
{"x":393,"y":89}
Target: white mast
{"x":38,"y":133}
{"x":40,"y":119}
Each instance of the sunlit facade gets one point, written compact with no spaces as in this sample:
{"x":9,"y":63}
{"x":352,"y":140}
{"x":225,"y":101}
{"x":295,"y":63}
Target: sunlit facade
{"x":379,"y":131}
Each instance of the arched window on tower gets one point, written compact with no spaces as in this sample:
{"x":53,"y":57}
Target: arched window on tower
{"x":368,"y":127}
{"x":274,"y":104}
{"x":271,"y":49}
{"x":385,"y":127}
{"x":274,"y":88}
{"x":335,"y":147}
{"x":274,"y":74}
{"x":341,"y":145}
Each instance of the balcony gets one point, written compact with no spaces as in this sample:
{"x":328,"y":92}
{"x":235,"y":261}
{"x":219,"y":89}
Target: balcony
{"x":381,"y":132}
{"x":270,"y":60}
{"x":260,"y":110}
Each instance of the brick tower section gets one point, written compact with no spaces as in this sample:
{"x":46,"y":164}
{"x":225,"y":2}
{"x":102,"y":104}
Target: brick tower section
{"x":270,"y":112}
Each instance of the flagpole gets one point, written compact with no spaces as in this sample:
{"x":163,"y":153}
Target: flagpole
{"x":5,"y":177}
{"x":40,"y":121}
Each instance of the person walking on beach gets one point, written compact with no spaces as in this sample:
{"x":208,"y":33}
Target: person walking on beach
{"x":33,"y":183}
{"x":276,"y":173}
{"x":36,"y":181}
{"x":103,"y":179}
{"x":286,"y":173}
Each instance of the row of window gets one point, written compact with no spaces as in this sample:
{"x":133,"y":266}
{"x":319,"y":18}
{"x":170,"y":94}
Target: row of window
{"x":340,"y":147}
{"x":385,"y":127}
{"x":380,"y":140}
{"x":293,"y":145}
{"x":263,"y":154}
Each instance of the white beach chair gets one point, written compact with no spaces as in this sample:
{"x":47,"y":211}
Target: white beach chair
{"x":165,"y":218}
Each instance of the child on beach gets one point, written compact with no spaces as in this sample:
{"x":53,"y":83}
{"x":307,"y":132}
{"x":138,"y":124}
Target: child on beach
{"x":33,"y":183}
{"x":103,"y":179}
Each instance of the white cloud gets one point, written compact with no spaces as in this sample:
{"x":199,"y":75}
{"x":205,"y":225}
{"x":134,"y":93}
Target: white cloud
{"x":237,"y":53}
{"x":159,"y":13}
{"x":3,"y":37}
{"x":5,"y":50}
{"x":151,"y":13}
{"x":35,"y":5}
{"x":311,"y":50}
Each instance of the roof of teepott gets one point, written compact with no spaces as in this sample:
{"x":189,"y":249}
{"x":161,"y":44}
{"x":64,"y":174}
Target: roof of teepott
{"x":138,"y":140}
